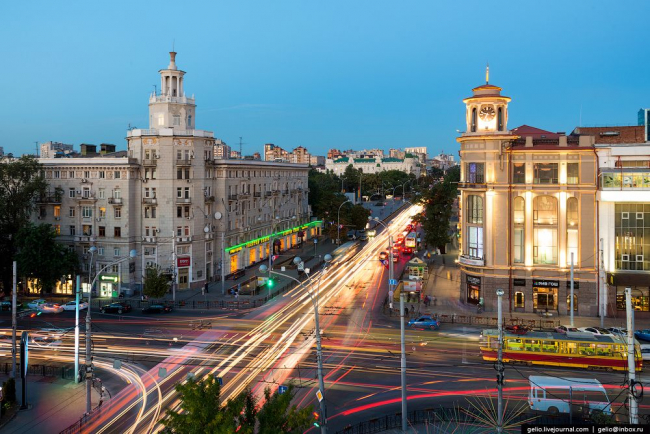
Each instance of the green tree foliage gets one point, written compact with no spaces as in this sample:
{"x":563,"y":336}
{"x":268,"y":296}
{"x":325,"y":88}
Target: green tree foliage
{"x":21,"y":182}
{"x":201,"y":412}
{"x":9,"y":390}
{"x":279,"y":416}
{"x":356,"y":217}
{"x":42,"y":258}
{"x":156,"y":284}
{"x":438,"y":203}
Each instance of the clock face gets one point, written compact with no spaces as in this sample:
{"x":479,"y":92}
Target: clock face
{"x":487,"y":113}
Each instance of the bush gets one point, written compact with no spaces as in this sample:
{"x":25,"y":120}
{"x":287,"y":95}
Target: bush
{"x":9,"y":390}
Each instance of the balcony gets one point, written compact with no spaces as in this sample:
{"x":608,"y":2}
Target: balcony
{"x":267,"y":194}
{"x":232,"y":197}
{"x":115,"y":200}
{"x":209,"y":199}
{"x":184,"y":162}
{"x":625,"y":179}
{"x":49,"y":198}
{"x":86,"y":196}
{"x":150,"y":200}
{"x":244,"y":194}
{"x":257,"y":194}
{"x":184,"y":240}
{"x":183,"y":200}
{"x":83,"y":238}
{"x":150,"y":162}
{"x":470,"y":260}
{"x":276,"y":192}
{"x":209,"y":236}
{"x":148,"y":239}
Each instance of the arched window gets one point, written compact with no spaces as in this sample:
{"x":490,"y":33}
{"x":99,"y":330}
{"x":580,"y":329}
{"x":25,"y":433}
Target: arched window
{"x":545,"y":211}
{"x":473,"y":126}
{"x":518,"y":240}
{"x":500,"y":118}
{"x":572,"y":229}
{"x":575,"y":302}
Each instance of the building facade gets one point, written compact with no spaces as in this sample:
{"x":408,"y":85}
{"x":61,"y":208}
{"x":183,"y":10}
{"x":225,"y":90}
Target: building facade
{"x":168,"y":198}
{"x":374,"y":164}
{"x":527,"y":200}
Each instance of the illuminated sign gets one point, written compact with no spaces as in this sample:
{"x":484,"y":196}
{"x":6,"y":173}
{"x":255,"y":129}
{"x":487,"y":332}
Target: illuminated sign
{"x":113,"y":279}
{"x":235,"y":249}
{"x":184,"y":261}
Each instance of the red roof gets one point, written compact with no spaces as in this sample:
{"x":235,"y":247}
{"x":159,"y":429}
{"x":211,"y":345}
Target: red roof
{"x":535,"y":133}
{"x":620,"y":134}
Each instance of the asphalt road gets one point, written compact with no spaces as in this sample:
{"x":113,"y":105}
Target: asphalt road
{"x":275,"y":344}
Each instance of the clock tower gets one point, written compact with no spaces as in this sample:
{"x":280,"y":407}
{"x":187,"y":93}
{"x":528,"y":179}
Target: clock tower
{"x":487,"y":109}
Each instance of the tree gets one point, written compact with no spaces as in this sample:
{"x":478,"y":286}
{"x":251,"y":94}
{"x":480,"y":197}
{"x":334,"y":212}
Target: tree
{"x":202,"y":412}
{"x":279,"y":416}
{"x":21,"y":182}
{"x":42,"y":258}
{"x":156,"y":284}
{"x":355,"y":217}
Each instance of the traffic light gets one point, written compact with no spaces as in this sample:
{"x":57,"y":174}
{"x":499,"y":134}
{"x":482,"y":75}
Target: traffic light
{"x":316,"y":419}
{"x":270,"y":283}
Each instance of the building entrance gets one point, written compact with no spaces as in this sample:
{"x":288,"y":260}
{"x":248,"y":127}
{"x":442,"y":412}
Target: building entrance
{"x":544,"y":299}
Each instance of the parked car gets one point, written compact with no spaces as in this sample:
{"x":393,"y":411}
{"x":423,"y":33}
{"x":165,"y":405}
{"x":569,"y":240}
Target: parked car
{"x":118,"y":307}
{"x":596,"y":331}
{"x":618,"y":331}
{"x":383,"y":255}
{"x":50,"y":308}
{"x":362,"y":235}
{"x":642,"y":335}
{"x":352,"y":235}
{"x":35,"y":303}
{"x":645,"y":352}
{"x":157,"y":308}
{"x":425,"y":322}
{"x":5,"y":305}
{"x":72,"y":305}
{"x":517,"y":329}
{"x":564,"y":328}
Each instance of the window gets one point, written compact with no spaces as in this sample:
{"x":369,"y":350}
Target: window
{"x":545,"y":210}
{"x":87,"y":230}
{"x":474,"y":209}
{"x":545,"y":173}
{"x":632,"y":231}
{"x":475,"y":242}
{"x":72,"y":230}
{"x":42,"y":212}
{"x":518,"y":244}
{"x":640,"y":298}
{"x":545,"y":244}
{"x":57,"y":229}
{"x":71,"y":212}
{"x":153,"y":174}
{"x":519,"y":173}
{"x":100,"y":250}
{"x":575,"y":302}
{"x":57,"y":174}
{"x":179,"y":231}
{"x":500,"y":118}
{"x":189,"y":121}
{"x":102,"y":193}
{"x":117,"y":213}
{"x":182,"y":250}
{"x":519,"y":299}
{"x":116,"y":252}
{"x":187,"y":192}
{"x":117,"y":232}
{"x":177,"y":120}
{"x":519,"y":210}
{"x":572,"y":229}
{"x":179,"y":211}
{"x":86,"y":192}
{"x":179,"y":192}
{"x":573,"y":173}
{"x":153,"y":212}
{"x":102,"y":174}
{"x":475,"y":173}
{"x":86,"y":174}
{"x":71,"y":192}
{"x":102,"y":231}
{"x":102,"y":212}
{"x":57,"y":211}
{"x":473,"y":121}
{"x":87,"y":212}
{"x":146,"y":212}
{"x":117,"y":174}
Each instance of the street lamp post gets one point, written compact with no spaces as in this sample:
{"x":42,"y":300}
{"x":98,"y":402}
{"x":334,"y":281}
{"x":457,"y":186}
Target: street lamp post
{"x":338,"y":223}
{"x":391,"y":285}
{"x":499,"y":365}
{"x":319,"y":350}
{"x":89,"y":362}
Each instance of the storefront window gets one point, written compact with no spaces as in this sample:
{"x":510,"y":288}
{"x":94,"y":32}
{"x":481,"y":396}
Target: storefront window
{"x":632,"y":229}
{"x":640,"y":298}
{"x":575,"y":303}
{"x":473,"y":289}
{"x":519,"y":299}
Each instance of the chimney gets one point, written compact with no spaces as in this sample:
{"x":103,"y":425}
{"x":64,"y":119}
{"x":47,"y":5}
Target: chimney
{"x":106,"y":148}
{"x":88,"y":149}
{"x":529,"y":141}
{"x":563,"y":142}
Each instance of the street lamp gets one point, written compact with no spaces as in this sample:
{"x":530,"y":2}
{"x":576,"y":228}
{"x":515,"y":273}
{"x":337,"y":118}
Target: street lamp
{"x":319,"y":351}
{"x":89,"y":362}
{"x":499,"y":365}
{"x":391,"y":281}
{"x":338,"y":222}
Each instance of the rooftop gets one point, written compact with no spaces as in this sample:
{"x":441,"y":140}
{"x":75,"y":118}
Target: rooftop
{"x":613,"y":135}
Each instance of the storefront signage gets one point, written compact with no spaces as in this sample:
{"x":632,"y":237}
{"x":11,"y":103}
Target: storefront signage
{"x":576,"y":285}
{"x":519,"y":282}
{"x":108,"y":278}
{"x":471,"y":261}
{"x":547,"y":283}
{"x":411,"y":285}
{"x":184,"y":261}
{"x":257,"y":242}
{"x":472,"y":280}
{"x":235,"y":251}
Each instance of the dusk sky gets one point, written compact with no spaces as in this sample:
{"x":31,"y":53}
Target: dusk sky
{"x":335,"y":74}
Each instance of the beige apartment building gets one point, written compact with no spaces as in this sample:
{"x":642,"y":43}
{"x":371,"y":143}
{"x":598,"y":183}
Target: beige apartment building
{"x":528,"y":205}
{"x":199,"y":217}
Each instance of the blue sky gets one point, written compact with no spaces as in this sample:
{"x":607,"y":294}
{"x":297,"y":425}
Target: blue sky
{"x":336,"y":74}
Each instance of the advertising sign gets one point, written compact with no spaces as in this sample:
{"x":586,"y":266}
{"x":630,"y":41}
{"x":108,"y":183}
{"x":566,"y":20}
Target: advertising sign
{"x":184,"y":261}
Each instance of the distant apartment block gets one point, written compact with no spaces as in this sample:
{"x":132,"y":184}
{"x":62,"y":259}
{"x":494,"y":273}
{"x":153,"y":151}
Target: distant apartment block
{"x":374,"y":164}
{"x":54,"y":149}
{"x":221,"y":150}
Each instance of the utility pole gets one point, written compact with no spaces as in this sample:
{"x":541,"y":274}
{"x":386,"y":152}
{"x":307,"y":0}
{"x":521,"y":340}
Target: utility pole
{"x":601,"y":287}
{"x":14,"y":300}
{"x":174,"y":267}
{"x":499,"y":366}
{"x":631,"y":365}
{"x":223,"y":262}
{"x":76,"y":329}
{"x":571,"y":298}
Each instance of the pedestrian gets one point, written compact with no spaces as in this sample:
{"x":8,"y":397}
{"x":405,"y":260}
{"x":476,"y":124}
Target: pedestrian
{"x":412,"y":308}
{"x":406,"y":311}
{"x":206,"y":288}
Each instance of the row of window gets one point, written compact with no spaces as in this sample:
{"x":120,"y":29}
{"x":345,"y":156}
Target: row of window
{"x":101,"y":174}
{"x":543,"y":173}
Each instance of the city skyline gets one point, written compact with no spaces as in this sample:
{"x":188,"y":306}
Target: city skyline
{"x":319,"y":76}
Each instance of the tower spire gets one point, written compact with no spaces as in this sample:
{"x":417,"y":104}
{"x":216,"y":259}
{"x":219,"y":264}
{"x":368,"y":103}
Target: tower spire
{"x":487,"y":73}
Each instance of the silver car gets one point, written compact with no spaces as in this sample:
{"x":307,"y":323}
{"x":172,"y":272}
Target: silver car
{"x":50,"y":308}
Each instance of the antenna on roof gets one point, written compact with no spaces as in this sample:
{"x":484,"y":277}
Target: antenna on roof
{"x":173,"y":43}
{"x":487,"y":73}
{"x":580,"y":123}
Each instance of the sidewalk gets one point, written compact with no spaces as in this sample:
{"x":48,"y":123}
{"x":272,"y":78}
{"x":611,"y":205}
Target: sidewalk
{"x":55,"y":404}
